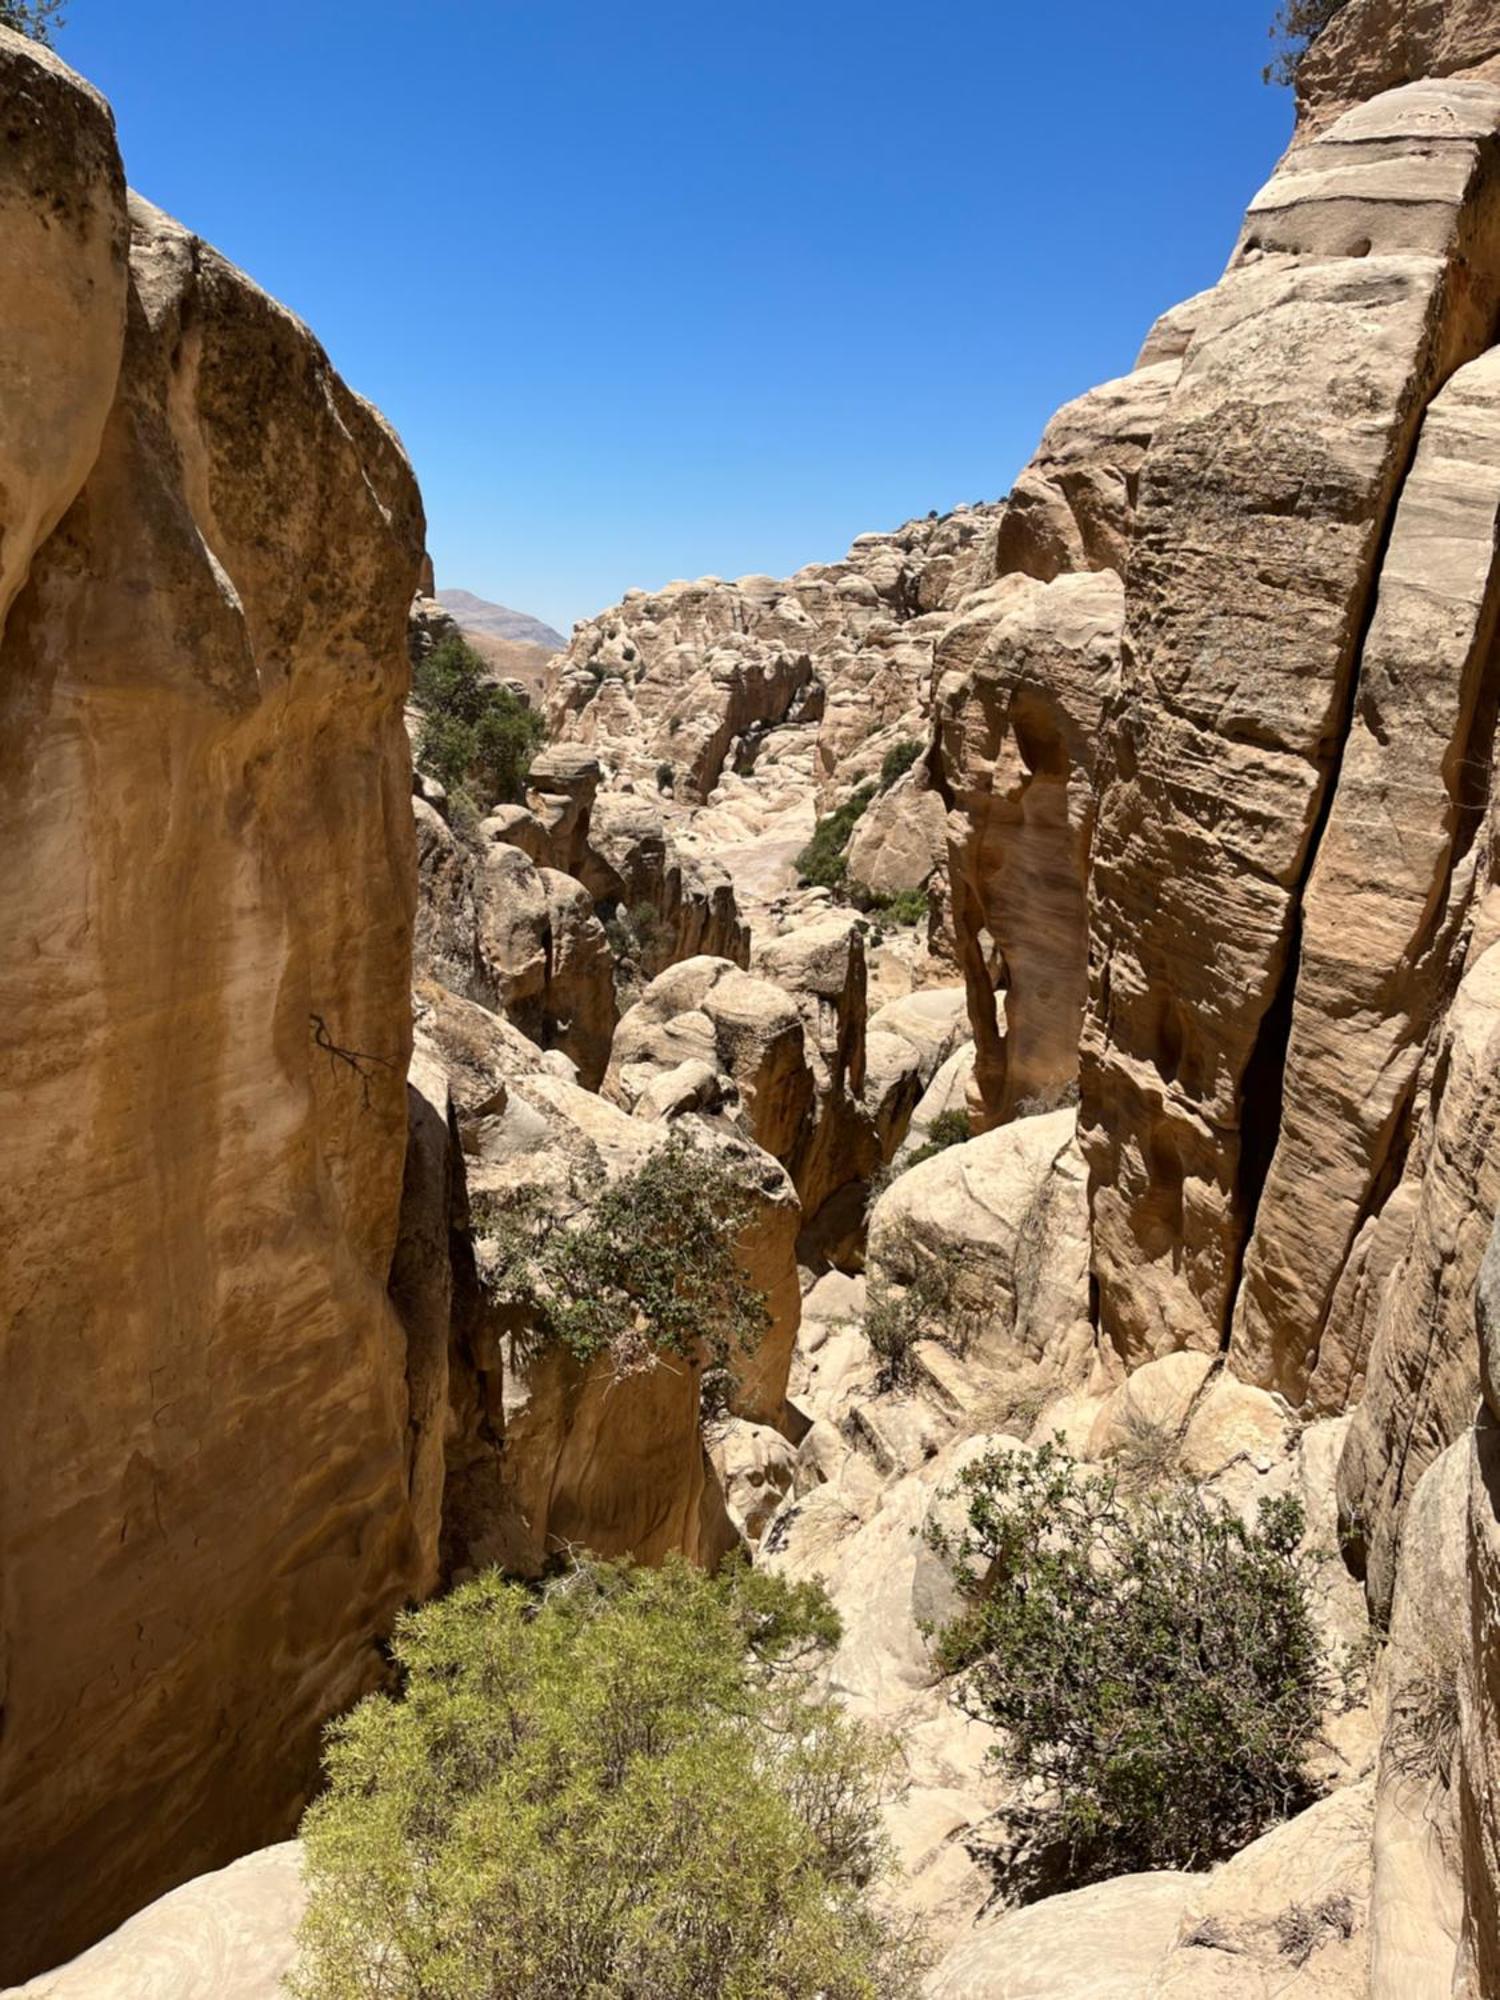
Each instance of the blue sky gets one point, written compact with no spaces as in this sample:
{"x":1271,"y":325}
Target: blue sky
{"x":654,"y":289}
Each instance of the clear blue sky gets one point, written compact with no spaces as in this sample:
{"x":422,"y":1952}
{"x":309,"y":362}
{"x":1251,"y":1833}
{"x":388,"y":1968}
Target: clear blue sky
{"x":652,"y":289}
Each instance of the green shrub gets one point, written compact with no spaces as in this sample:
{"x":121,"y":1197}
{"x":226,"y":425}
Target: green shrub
{"x":898,"y":760}
{"x":822,"y":862}
{"x":642,"y":1267}
{"x":949,"y":1128}
{"x":906,"y":908}
{"x":1297,"y":26}
{"x":666,"y":776}
{"x":1152,"y":1663}
{"x":898,"y":1316}
{"x":476,"y":736}
{"x":623,"y":1788}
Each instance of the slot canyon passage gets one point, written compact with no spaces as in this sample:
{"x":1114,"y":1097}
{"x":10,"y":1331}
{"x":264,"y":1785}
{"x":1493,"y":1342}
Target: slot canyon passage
{"x":1070,"y":926}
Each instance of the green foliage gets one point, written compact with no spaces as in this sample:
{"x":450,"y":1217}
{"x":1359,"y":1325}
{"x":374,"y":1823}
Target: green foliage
{"x":823,"y":861}
{"x":1297,"y":26}
{"x":906,"y":908}
{"x":625,"y":1789}
{"x":898,"y":760}
{"x":899,"y":1316}
{"x":1153,"y":1663}
{"x":477,"y":738}
{"x":36,"y":18}
{"x":949,"y":1128}
{"x":642,"y":1267}
{"x":666,"y":776}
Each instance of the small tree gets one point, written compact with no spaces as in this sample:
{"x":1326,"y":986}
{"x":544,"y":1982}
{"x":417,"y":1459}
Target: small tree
{"x":1297,"y":26}
{"x":477,"y":737}
{"x":624,"y":1787}
{"x":642,"y":1267}
{"x":1153,"y":1663}
{"x":36,"y":18}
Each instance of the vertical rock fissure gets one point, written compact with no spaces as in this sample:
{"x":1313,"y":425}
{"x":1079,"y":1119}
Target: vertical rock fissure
{"x":1262,"y":1089}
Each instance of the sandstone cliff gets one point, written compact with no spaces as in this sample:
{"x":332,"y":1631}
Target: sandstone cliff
{"x":206,"y":1437}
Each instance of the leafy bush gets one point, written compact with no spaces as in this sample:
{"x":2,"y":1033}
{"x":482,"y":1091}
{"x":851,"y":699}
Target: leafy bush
{"x":636,"y":936}
{"x":1153,"y":1664}
{"x":623,"y":1787}
{"x":898,"y":760}
{"x":1297,"y":26}
{"x":822,"y":862}
{"x":642,"y":1267}
{"x":477,"y":738}
{"x":666,"y":776}
{"x":906,"y":908}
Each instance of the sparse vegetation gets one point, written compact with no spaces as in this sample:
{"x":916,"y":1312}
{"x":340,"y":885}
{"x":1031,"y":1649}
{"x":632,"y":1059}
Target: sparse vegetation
{"x":823,"y":861}
{"x":37,"y":18}
{"x":1301,"y":1930}
{"x":898,"y":1316}
{"x":1152,"y":1663}
{"x":898,"y":760}
{"x":623,"y":1785}
{"x":1150,"y":1453}
{"x":1422,"y":1737}
{"x":477,"y":738}
{"x":641,"y":1268}
{"x":1053,"y":1099}
{"x":1297,"y":26}
{"x":637,"y":937}
{"x":666,"y":776}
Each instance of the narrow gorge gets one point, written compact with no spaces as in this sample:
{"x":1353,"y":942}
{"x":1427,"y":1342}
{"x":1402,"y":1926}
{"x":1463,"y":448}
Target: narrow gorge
{"x":1064,"y":933}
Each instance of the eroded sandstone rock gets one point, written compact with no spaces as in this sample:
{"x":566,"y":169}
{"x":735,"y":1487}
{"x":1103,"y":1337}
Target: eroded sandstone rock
{"x":212,"y":1507}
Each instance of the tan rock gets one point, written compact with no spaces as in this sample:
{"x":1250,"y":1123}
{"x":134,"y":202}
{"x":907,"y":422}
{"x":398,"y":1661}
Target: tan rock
{"x":230,"y":1935}
{"x":1264,"y":495}
{"x":1388,"y":890}
{"x":1423,"y":1380}
{"x":1108,"y":1942}
{"x":1374,"y":45}
{"x":1417,"y":1903}
{"x":1026,"y":670}
{"x":210,"y":548}
{"x":1004,"y":1219}
{"x":1071,"y":508}
{"x":549,"y":1453}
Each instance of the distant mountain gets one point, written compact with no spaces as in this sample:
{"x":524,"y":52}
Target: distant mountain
{"x":476,"y":615}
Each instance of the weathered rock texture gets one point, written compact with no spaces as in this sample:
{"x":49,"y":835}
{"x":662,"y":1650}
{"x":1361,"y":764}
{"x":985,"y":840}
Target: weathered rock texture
{"x":208,"y":1481}
{"x":1264,"y":497}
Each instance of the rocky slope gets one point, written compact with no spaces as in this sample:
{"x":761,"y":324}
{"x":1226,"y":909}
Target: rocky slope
{"x":1204,"y":811}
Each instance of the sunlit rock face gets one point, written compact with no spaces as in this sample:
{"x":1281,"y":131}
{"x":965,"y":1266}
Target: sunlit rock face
{"x":206,"y":1491}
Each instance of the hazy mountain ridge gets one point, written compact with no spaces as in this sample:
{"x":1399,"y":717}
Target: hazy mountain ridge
{"x":477,"y":614}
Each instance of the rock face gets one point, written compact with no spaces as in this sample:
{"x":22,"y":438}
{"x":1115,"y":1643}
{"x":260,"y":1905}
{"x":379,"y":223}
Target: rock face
{"x":1026,"y":670}
{"x":1259,"y":520}
{"x":210,"y":1498}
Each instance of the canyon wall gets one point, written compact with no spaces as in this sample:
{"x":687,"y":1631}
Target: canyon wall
{"x":208,"y":1510}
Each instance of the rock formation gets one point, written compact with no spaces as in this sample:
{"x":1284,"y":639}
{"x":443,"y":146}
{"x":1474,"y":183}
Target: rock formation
{"x":1175,"y":1116}
{"x":208,"y":1443}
